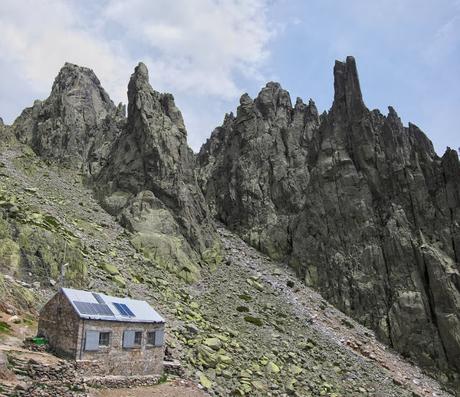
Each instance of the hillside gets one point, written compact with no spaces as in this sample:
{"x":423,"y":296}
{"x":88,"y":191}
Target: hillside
{"x":350,"y":204}
{"x":247,"y":327}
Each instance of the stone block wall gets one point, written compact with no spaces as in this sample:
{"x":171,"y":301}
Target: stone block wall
{"x":60,"y":325}
{"x":115,"y":359}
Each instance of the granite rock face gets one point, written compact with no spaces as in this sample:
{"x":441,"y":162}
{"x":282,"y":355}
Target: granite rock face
{"x":140,"y":168}
{"x":76,"y":125}
{"x":361,"y":206}
{"x":150,"y":174}
{"x":252,"y":168}
{"x":3,"y":128}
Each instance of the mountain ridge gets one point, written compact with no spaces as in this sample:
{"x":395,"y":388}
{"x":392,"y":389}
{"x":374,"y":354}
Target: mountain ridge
{"x":365,"y":211}
{"x":303,"y":345}
{"x":360,"y":206}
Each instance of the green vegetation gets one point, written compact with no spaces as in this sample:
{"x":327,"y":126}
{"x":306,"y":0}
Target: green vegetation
{"x":9,"y":256}
{"x":5,"y":328}
{"x":44,"y":252}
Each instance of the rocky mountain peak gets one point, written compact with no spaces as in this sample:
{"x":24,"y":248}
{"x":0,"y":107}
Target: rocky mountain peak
{"x":76,"y":124}
{"x":139,"y":82}
{"x":141,"y":72}
{"x":73,"y":77}
{"x":245,"y":99}
{"x":360,"y":206}
{"x":272,"y":97}
{"x":145,"y":109}
{"x":347,"y":90}
{"x":140,"y":168}
{"x":150,"y":184}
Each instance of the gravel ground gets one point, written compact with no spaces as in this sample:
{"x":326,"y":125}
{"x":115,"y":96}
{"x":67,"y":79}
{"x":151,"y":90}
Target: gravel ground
{"x":174,"y":389}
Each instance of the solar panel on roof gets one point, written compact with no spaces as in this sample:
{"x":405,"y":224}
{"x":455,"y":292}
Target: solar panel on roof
{"x":98,"y":298}
{"x":105,"y":310}
{"x":93,"y":308}
{"x":121,"y":309}
{"x":128,"y":310}
{"x":124,"y":310}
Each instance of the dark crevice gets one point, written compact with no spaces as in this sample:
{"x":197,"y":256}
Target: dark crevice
{"x":430,"y":300}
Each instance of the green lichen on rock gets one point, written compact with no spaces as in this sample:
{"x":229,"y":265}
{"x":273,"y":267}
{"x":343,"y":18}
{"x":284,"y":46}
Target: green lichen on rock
{"x":9,"y":256}
{"x":167,"y":251}
{"x":213,"y":343}
{"x":272,"y":368}
{"x":17,"y":295}
{"x":5,"y":231}
{"x":212,"y":257}
{"x":44,"y":253}
{"x":111,"y":269}
{"x":119,"y":280}
{"x":205,"y":381}
{"x":37,"y":243}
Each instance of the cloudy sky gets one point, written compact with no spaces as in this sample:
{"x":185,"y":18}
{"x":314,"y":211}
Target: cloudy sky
{"x":208,"y":52}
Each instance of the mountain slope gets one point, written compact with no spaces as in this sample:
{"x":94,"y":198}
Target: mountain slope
{"x":241,"y":329}
{"x":359,"y":205}
{"x":140,"y":168}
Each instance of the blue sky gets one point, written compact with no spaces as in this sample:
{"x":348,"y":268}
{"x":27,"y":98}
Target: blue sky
{"x":209,"y":52}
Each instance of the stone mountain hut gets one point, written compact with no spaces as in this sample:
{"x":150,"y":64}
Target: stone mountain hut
{"x":112,"y":336}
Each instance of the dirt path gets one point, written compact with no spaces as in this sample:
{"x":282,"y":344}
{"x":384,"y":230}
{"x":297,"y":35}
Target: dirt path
{"x":177,"y":388}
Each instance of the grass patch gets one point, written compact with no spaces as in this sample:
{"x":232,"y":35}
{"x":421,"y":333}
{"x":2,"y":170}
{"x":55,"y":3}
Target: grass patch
{"x":4,"y":328}
{"x":163,"y":379}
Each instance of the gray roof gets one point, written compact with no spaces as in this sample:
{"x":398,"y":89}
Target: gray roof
{"x":141,"y":311}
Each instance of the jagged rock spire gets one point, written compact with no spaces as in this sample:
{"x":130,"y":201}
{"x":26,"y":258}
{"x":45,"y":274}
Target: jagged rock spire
{"x":248,"y":166}
{"x":153,"y":168}
{"x":347,"y":90}
{"x":361,"y":207}
{"x":76,"y":124}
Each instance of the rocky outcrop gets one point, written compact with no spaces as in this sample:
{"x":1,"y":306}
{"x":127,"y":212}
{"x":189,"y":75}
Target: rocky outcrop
{"x":361,"y":206}
{"x":149,"y":181}
{"x":252,"y":168}
{"x":76,"y":125}
{"x":141,"y":169}
{"x":5,"y":131}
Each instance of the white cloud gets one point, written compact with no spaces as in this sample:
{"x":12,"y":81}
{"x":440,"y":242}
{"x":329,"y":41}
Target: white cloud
{"x":38,"y":37}
{"x":199,"y":50}
{"x":200,"y":45}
